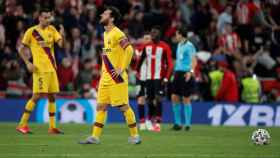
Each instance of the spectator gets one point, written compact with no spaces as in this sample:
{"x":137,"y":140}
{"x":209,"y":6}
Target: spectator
{"x":136,"y":26}
{"x":8,"y":53}
{"x":66,"y":75}
{"x":89,"y":47}
{"x":244,"y":13}
{"x":76,"y":41}
{"x":195,"y":39}
{"x":263,"y":16}
{"x":15,"y":85}
{"x":228,"y":91}
{"x":265,"y":64}
{"x":68,"y":49}
{"x":175,"y":23}
{"x":229,"y":42}
{"x":186,"y":8}
{"x":201,"y":17}
{"x":84,"y":79}
{"x":225,"y":17}
{"x":259,"y":39}
{"x":73,"y":17}
{"x":12,"y":71}
{"x":91,"y":18}
{"x":211,"y":36}
{"x":2,"y":33}
{"x":216,"y":77}
{"x":276,"y":88}
{"x":250,"y":88}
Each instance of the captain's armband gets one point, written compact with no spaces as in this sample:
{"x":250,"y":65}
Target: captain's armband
{"x":124,"y":42}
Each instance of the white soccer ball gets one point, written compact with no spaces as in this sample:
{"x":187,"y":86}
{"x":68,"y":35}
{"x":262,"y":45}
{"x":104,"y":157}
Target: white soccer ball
{"x":261,"y":137}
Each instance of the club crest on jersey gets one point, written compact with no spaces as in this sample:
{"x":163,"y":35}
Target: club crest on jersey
{"x":109,"y":41}
{"x":106,"y":50}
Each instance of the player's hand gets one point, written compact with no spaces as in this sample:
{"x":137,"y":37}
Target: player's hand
{"x":188,"y":76}
{"x":61,"y":30}
{"x":30,"y":67}
{"x":164,"y":81}
{"x":137,"y":75}
{"x":42,"y":43}
{"x":116,"y":73}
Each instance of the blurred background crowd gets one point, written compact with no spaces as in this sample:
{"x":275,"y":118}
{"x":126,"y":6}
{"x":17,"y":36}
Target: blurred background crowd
{"x":241,"y":35}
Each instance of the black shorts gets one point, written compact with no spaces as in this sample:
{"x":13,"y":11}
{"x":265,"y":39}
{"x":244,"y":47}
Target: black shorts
{"x":141,"y":89}
{"x":182,"y":87}
{"x":154,"y":88}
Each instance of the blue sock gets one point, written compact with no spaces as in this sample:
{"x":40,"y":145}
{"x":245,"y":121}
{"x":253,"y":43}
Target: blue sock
{"x":177,"y":113}
{"x":188,"y":114}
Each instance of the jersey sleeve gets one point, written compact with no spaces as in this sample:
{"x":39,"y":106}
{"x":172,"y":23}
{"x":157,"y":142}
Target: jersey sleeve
{"x":169,"y":61}
{"x":193,"y":50}
{"x":56,"y":34}
{"x":122,"y":40}
{"x":27,"y":37}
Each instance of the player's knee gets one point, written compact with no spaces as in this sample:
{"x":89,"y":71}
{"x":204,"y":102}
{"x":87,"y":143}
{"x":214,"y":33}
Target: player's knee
{"x":150,"y":100}
{"x":175,"y":98}
{"x":101,"y":107}
{"x":141,"y":100}
{"x":158,"y":99}
{"x":35,"y":97}
{"x":51,"y":98}
{"x":186,"y":100}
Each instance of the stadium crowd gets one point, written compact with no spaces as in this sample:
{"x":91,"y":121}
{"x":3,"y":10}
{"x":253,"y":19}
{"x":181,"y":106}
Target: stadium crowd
{"x":237,"y":42}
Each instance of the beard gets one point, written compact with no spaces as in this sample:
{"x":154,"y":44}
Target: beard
{"x":156,"y":39}
{"x":44,"y":23}
{"x":104,"y":22}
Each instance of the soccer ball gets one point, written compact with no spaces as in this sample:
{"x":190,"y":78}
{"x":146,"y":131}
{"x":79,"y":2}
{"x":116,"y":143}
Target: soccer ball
{"x":261,"y":137}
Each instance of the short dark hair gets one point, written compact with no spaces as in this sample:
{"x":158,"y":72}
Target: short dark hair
{"x":115,"y":13}
{"x":44,"y":10}
{"x":146,"y":32}
{"x":183,"y":31}
{"x":156,"y":27}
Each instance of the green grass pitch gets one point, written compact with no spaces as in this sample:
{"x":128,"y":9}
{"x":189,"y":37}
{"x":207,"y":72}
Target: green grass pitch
{"x":200,"y":142}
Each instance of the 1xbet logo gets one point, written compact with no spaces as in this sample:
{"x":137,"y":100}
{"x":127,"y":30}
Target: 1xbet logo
{"x":228,"y":114}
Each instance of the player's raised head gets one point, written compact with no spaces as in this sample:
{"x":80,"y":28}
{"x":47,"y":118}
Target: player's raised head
{"x":111,"y":15}
{"x":156,"y":33}
{"x":45,"y":16}
{"x":181,"y":33}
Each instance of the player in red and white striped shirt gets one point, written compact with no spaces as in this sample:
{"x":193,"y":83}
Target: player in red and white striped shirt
{"x":229,"y":45}
{"x":158,"y":60}
{"x":141,"y":88}
{"x":245,"y":11}
{"x":229,"y":41}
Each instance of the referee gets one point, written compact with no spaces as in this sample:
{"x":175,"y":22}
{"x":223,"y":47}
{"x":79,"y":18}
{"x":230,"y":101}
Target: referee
{"x":184,"y":83}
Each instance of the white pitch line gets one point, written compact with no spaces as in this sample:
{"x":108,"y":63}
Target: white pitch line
{"x":135,"y":155}
{"x":76,"y":143}
{"x":18,"y":135}
{"x":54,"y":144}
